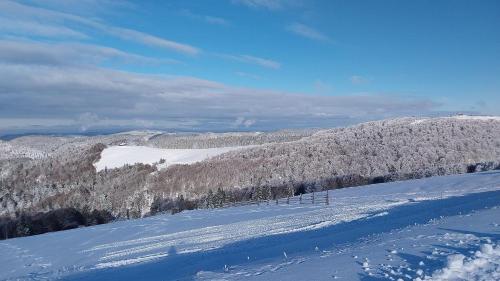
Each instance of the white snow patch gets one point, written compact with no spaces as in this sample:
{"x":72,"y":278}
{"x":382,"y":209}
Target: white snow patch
{"x":459,"y":117}
{"x":118,"y":156}
{"x":470,"y":117}
{"x":484,"y":265}
{"x":418,"y":121}
{"x":140,"y":133}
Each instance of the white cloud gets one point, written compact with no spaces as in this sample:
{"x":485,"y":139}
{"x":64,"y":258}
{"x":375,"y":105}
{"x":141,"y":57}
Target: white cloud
{"x":358,"y":79}
{"x":267,"y":4}
{"x":261,"y":61}
{"x":29,"y":52}
{"x":116,"y":98}
{"x":272,"y":5}
{"x":215,"y":20}
{"x":249,"y":122}
{"x":252,"y":60}
{"x":86,"y":7}
{"x":308,"y":32}
{"x":86,"y":120}
{"x":247,"y":75}
{"x":322,"y":87}
{"x":147,"y":39}
{"x":243,"y":122}
{"x":11,"y":26}
{"x":12,"y":9}
{"x":205,"y":18}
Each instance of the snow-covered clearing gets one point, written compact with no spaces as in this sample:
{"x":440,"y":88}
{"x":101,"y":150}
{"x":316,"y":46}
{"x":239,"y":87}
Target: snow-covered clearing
{"x":118,"y":156}
{"x":439,"y":228}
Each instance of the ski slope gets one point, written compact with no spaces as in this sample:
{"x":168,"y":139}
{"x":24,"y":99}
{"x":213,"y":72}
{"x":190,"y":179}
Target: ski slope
{"x":118,"y":156}
{"x":439,"y":228}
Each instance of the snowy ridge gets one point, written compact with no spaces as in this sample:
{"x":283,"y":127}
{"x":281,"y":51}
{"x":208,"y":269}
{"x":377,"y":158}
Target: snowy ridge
{"x":478,"y":117}
{"x":461,"y":117}
{"x":252,"y":242}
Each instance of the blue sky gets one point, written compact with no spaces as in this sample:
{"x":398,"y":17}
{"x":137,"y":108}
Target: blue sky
{"x":243,"y":64}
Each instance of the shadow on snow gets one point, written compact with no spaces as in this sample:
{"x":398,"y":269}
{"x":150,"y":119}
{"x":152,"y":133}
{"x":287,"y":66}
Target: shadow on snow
{"x":179,"y":266}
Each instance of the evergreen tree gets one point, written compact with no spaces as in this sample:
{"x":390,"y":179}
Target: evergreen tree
{"x":210,"y":199}
{"x":220,"y":197}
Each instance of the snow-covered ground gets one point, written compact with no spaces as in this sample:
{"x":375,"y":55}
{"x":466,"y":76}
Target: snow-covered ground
{"x":7,"y":151}
{"x":440,"y":228}
{"x":118,"y":156}
{"x":476,"y":117}
{"x":462,"y":117}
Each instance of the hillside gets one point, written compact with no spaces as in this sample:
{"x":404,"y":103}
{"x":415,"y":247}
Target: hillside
{"x":438,"y":228}
{"x":371,"y":152}
{"x":278,"y":164}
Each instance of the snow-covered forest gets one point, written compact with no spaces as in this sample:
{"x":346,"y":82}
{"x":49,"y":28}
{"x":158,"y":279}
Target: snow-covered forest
{"x":54,"y":176}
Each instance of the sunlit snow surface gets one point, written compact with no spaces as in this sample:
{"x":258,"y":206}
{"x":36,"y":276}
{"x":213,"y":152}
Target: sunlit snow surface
{"x":461,"y":117}
{"x":404,"y":230}
{"x":118,"y":156}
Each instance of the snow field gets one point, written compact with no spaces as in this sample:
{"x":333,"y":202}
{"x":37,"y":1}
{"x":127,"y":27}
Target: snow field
{"x":118,"y":156}
{"x":401,"y":230}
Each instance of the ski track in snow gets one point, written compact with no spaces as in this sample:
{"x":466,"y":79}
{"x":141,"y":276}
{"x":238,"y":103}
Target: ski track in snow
{"x":126,"y":243}
{"x":429,"y":251}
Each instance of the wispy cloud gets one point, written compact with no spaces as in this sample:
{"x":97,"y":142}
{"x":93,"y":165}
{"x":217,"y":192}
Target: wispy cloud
{"x":271,"y":5}
{"x":147,"y":39}
{"x":215,"y":20}
{"x":30,"y":52}
{"x":21,"y":27}
{"x":247,"y":75}
{"x":86,"y":7}
{"x":267,"y":4}
{"x":308,"y":32}
{"x":260,"y":61}
{"x":358,"y":79}
{"x":322,"y":87}
{"x":267,"y":63}
{"x":14,"y":9}
{"x":205,"y":18}
{"x":243,"y":122}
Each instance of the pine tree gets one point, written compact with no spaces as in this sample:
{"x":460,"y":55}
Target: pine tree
{"x":220,"y":197}
{"x":210,"y":199}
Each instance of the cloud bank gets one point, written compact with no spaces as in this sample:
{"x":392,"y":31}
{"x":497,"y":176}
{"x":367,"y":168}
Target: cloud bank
{"x":55,"y":78}
{"x":113,"y":99}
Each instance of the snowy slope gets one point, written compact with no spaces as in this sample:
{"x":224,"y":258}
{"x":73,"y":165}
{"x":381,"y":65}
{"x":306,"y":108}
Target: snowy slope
{"x":476,"y":117}
{"x":430,"y":228}
{"x":461,"y":117}
{"x":118,"y":156}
